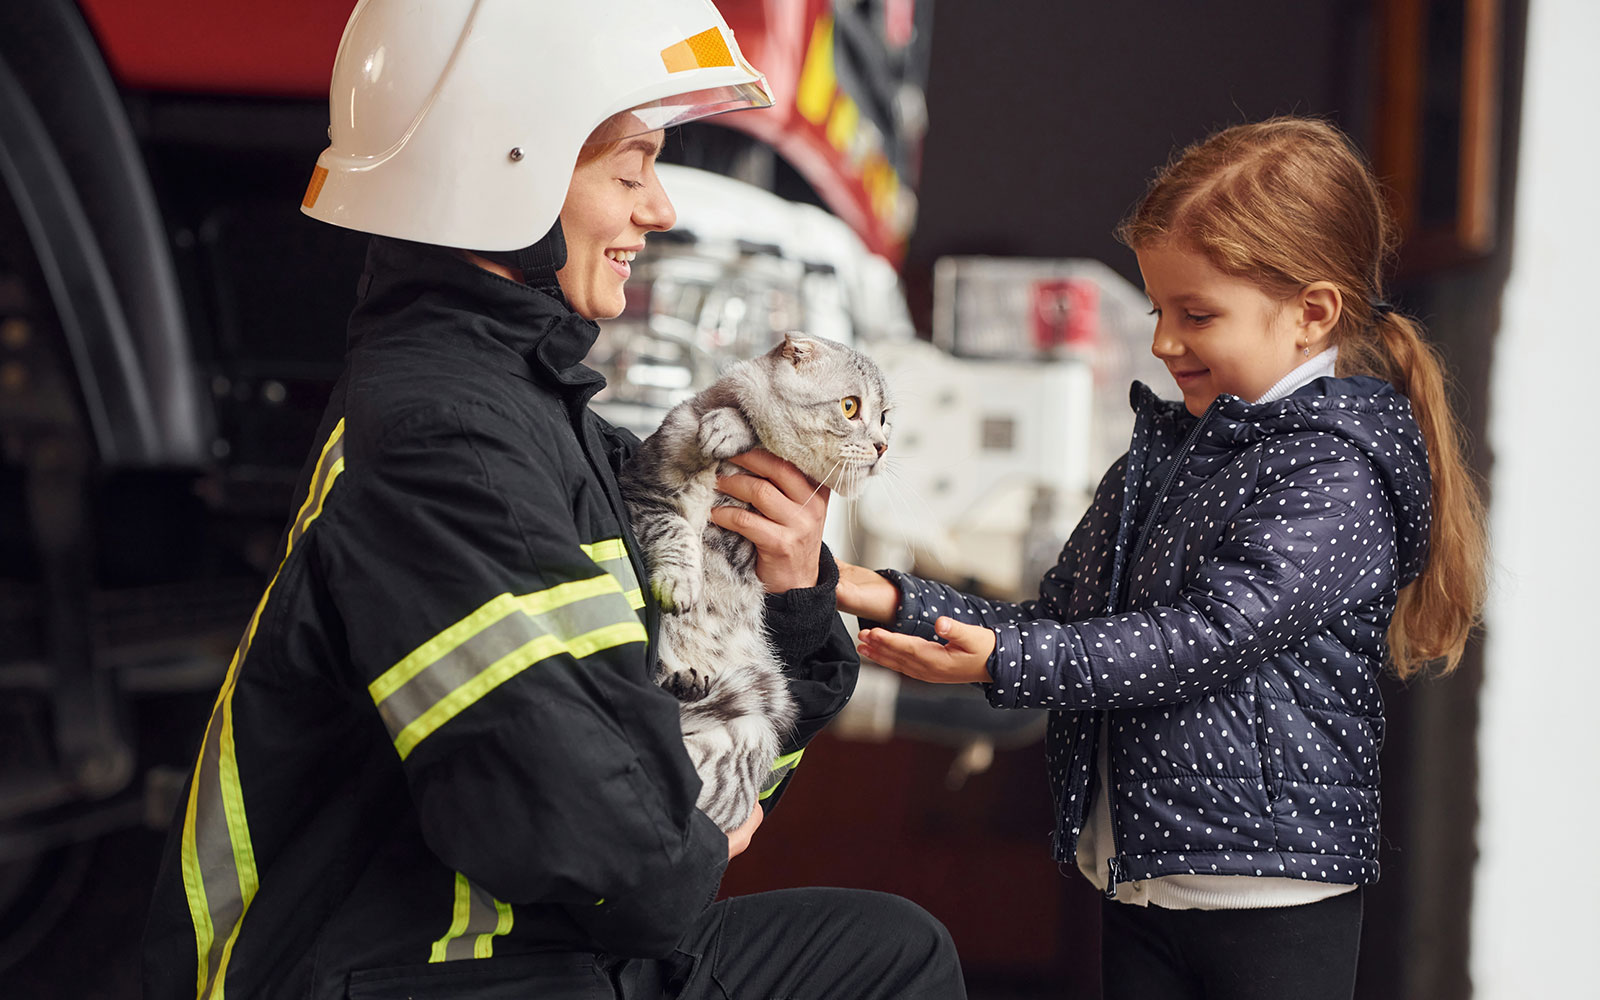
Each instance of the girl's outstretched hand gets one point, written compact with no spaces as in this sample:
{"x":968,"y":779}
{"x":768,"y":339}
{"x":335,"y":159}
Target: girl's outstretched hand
{"x":865,"y":594}
{"x":963,"y":659}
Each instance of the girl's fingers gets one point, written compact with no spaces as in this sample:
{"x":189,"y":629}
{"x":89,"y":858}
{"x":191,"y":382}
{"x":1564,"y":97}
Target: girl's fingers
{"x":930,"y":661}
{"x":967,"y":638}
{"x":899,"y":652}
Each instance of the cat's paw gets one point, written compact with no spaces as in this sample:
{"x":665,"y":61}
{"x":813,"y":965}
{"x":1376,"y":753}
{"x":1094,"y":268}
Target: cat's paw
{"x":676,"y":592}
{"x":724,"y":433}
{"x":687,"y":685}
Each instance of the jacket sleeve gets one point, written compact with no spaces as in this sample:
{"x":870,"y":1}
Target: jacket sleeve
{"x":820,"y":661}
{"x":923,"y":601}
{"x":509,"y":670}
{"x":1298,"y":554}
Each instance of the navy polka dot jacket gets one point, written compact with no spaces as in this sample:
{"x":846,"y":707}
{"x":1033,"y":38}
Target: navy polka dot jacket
{"x":1220,"y":614}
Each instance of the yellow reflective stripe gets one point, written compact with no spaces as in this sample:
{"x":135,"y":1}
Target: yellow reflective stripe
{"x":476,"y":913}
{"x":508,"y":667}
{"x":451,"y":705}
{"x":395,"y":677}
{"x":568,"y":593}
{"x":320,"y":482}
{"x":611,"y":555}
{"x":606,"y":550}
{"x":605,"y":638}
{"x":484,"y":947}
{"x":453,"y":670}
{"x":780,"y":770}
{"x":455,"y":636}
{"x":194,"y":890}
{"x":218,"y":860}
{"x":460,"y":914}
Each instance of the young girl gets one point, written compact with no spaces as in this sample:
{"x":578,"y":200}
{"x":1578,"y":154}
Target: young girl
{"x":1211,"y":639}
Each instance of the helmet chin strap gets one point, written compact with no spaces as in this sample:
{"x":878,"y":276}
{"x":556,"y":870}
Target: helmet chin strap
{"x":537,"y":263}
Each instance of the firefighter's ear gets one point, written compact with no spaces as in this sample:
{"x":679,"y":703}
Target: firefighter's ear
{"x":798,"y":350}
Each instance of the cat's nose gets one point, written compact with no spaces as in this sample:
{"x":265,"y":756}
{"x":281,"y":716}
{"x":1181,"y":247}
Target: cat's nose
{"x":881,"y":447}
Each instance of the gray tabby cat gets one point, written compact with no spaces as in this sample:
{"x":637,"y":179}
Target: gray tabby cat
{"x":813,"y":402}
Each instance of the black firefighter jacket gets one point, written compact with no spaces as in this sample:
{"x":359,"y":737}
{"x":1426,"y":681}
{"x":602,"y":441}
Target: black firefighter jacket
{"x":438,"y":760}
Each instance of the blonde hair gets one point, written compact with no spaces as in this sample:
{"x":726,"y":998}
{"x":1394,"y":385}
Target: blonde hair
{"x":1287,"y":202}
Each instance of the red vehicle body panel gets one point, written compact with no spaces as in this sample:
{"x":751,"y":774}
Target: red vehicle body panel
{"x":282,"y":49}
{"x":286,"y":49}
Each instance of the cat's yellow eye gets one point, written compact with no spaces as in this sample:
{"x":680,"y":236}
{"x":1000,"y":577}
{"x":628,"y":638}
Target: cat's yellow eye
{"x":850,"y":406}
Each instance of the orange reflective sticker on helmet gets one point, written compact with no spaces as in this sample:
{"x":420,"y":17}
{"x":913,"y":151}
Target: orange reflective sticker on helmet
{"x":318,"y":177}
{"x":700,"y":51}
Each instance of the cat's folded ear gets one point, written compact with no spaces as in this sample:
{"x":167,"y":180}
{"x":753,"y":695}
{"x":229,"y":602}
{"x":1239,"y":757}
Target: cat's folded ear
{"x":798,"y":349}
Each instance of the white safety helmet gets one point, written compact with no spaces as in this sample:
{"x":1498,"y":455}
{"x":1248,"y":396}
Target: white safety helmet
{"x":458,"y":122}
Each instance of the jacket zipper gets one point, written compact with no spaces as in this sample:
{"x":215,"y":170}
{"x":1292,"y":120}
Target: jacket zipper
{"x":1113,"y":866}
{"x":1155,"y":505}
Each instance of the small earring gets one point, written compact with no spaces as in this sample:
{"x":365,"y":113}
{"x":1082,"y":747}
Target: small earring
{"x":1306,"y":350}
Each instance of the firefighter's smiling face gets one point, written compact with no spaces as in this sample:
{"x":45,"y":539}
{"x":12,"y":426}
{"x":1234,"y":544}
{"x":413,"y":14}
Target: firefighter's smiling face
{"x":615,"y":199}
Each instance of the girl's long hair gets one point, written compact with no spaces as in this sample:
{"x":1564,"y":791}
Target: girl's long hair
{"x":1287,"y":202}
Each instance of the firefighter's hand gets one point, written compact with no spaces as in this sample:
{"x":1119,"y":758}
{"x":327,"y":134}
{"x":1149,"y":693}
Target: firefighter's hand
{"x":865,"y":594}
{"x":739,"y":838}
{"x":963,"y":659}
{"x":786,"y":524}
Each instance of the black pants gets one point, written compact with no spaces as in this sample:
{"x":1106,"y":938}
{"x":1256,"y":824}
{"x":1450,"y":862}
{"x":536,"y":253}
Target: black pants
{"x":1288,"y":953}
{"x":803,"y":944}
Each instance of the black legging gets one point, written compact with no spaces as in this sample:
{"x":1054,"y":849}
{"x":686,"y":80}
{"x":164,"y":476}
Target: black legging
{"x":803,"y":944}
{"x":1303,"y":952}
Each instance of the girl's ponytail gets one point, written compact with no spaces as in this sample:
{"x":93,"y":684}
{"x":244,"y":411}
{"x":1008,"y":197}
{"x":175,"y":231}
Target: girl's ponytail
{"x":1438,"y":610}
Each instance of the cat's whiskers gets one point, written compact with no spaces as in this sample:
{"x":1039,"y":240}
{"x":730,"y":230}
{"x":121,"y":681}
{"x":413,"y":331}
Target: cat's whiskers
{"x":826,"y":476}
{"x":899,"y":535}
{"x":902,"y":494}
{"x":850,"y":533}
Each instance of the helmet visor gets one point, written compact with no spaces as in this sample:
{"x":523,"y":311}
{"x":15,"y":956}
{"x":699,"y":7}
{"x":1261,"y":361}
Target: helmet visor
{"x":679,"y":108}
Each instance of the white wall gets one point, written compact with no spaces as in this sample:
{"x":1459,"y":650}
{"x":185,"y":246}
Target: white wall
{"x":1536,"y":905}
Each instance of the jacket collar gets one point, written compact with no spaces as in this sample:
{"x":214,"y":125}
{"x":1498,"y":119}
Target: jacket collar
{"x":1365,"y":411}
{"x":409,"y":284}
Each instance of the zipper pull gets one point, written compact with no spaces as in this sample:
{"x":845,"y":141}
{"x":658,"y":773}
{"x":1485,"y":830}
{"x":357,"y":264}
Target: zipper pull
{"x":1114,"y":874}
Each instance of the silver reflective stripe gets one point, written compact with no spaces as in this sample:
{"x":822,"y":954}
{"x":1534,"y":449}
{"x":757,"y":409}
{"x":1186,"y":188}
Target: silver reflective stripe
{"x":495,"y":642}
{"x":207,"y":840}
{"x":477,"y":919}
{"x":450,"y":672}
{"x":217,"y":857}
{"x":330,"y":465}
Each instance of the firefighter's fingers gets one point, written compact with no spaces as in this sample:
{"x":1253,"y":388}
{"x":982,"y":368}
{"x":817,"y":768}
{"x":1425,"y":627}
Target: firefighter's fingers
{"x":762,"y":531}
{"x":740,"y":837}
{"x":787,"y":554}
{"x":795,"y":485}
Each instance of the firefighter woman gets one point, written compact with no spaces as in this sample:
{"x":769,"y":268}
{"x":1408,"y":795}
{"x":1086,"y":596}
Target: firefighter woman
{"x":438,"y":766}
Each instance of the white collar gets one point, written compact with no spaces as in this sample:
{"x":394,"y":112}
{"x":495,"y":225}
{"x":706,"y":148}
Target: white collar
{"x":1319,"y":365}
